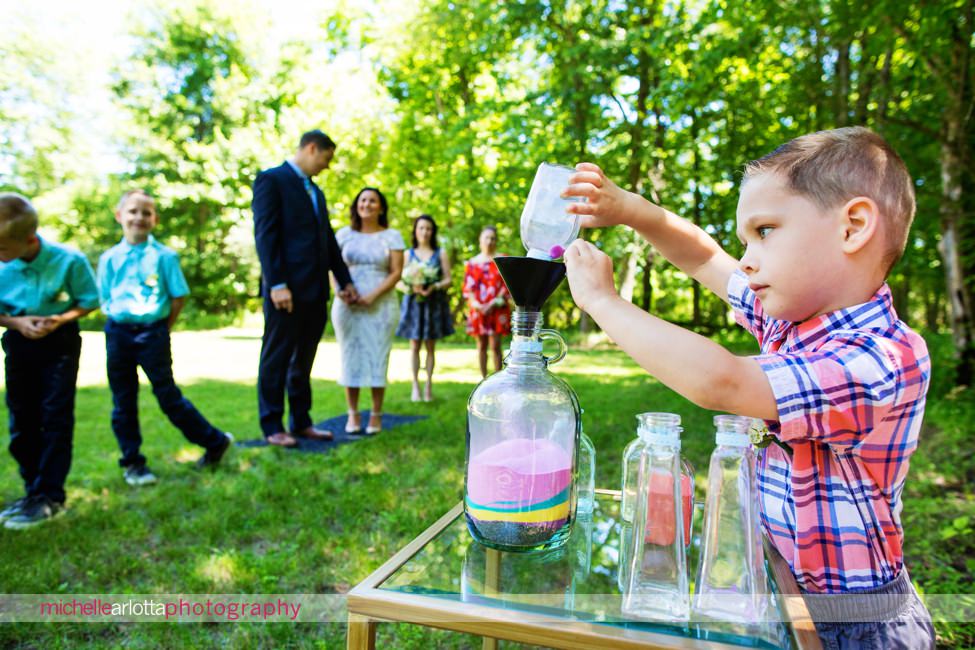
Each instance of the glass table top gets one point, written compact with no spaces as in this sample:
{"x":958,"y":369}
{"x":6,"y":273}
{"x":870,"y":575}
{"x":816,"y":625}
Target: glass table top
{"x":576,"y":582}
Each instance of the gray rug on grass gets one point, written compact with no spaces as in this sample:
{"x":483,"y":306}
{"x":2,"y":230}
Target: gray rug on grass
{"x":337,"y":426}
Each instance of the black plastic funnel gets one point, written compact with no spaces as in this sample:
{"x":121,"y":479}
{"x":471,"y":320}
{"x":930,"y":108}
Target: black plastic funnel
{"x":530,"y":281}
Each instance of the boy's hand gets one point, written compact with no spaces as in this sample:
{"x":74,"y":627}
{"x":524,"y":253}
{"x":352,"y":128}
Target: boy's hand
{"x":590,"y":274}
{"x":605,"y":203}
{"x":33,"y":327}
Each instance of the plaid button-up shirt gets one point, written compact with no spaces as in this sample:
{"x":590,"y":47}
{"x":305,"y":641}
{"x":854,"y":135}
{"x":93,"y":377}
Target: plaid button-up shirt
{"x":850,"y":387}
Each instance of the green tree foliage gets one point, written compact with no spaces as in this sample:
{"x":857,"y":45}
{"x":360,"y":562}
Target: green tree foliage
{"x":188,"y":92}
{"x":449,"y":106}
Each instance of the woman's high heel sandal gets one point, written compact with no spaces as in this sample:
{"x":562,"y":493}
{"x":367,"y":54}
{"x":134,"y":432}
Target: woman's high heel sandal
{"x":370,"y":430}
{"x":351,"y":429}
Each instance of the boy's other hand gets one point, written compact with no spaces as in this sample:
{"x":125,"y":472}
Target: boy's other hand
{"x":281,"y":299}
{"x":605,"y":202}
{"x":590,"y":274}
{"x":33,"y":327}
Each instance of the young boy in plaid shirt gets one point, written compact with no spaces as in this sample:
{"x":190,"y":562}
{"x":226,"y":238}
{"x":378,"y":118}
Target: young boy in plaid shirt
{"x":840,"y":379}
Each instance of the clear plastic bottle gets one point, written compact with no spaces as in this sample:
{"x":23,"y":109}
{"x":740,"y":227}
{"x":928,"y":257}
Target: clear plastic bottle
{"x":646,"y":424}
{"x":731,"y":580}
{"x":523,"y":427}
{"x":657,"y":586}
{"x":546,"y":228}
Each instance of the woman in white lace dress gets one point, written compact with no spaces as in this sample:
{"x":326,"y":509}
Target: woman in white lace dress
{"x":374,"y":254}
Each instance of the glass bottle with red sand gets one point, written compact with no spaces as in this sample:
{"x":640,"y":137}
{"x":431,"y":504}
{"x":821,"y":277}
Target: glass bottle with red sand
{"x":523,"y":427}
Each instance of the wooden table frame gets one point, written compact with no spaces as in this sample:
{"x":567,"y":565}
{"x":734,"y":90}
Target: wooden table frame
{"x":369,"y":605}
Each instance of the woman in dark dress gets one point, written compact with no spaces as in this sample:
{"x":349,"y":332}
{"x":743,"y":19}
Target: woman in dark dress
{"x":425,"y":312}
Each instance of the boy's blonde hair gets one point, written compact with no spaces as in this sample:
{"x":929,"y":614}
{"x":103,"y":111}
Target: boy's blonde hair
{"x":832,"y":167}
{"x":18,"y":218}
{"x":125,"y":197}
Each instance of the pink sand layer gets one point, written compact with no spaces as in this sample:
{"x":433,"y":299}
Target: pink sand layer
{"x":521,"y":470}
{"x":661,"y":514}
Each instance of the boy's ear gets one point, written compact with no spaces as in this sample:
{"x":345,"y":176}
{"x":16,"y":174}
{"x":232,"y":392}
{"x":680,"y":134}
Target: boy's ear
{"x":860,"y":219}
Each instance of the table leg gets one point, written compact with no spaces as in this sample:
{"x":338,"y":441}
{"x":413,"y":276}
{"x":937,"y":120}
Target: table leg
{"x":361,"y":633}
{"x":490,"y":643}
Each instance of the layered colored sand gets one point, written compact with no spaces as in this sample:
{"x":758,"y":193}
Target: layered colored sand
{"x":518,"y":491}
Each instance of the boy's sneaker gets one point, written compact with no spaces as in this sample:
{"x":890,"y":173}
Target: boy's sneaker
{"x":212,"y":456}
{"x":13,"y":509}
{"x":139,"y":475}
{"x":36,"y":510}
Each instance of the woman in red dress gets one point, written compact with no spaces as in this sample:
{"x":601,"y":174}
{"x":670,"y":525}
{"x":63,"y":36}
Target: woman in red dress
{"x":489,"y":315}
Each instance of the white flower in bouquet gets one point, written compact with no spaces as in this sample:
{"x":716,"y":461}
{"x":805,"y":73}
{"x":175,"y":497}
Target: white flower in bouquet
{"x":417,"y":274}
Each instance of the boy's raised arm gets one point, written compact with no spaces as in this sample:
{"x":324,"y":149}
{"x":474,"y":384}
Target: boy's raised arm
{"x":685,"y":245}
{"x":688,"y":363}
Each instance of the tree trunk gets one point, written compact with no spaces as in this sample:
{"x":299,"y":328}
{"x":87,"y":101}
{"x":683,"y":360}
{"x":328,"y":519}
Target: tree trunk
{"x":959,"y":295}
{"x":647,"y":301}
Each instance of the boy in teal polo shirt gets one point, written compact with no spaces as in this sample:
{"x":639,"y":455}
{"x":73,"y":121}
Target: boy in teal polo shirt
{"x":44,"y":289}
{"x":142,"y":291}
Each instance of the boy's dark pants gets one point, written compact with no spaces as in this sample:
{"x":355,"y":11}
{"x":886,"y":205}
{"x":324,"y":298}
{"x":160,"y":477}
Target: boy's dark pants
{"x":41,"y":376}
{"x":129,"y":346}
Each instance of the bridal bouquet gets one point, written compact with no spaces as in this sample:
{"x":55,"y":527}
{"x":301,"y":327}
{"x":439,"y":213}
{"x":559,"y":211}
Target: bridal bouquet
{"x":416,"y":273}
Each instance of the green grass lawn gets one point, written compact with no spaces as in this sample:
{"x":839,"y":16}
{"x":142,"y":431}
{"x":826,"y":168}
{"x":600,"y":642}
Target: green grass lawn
{"x":269,"y":521}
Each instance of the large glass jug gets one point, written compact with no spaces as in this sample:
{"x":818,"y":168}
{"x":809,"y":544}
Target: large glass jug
{"x":731,"y":580}
{"x":523,"y":427}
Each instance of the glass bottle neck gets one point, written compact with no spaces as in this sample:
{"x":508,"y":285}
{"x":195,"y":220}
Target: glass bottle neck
{"x":526,"y":346}
{"x":731,"y":431}
{"x":659,"y":428}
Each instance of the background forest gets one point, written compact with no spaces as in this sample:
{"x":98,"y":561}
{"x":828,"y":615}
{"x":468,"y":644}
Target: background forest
{"x":449,"y":107}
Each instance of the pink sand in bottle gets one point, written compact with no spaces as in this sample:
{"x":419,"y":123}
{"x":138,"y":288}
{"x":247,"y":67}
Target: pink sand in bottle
{"x":520,"y":471}
{"x":661,"y":515}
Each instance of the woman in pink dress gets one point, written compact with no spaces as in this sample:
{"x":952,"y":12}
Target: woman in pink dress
{"x":489,"y":315}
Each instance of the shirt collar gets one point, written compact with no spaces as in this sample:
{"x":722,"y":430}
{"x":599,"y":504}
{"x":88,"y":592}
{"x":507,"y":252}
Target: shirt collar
{"x":128,"y":248}
{"x":43,"y":254}
{"x":875,"y":314}
{"x":302,"y":175}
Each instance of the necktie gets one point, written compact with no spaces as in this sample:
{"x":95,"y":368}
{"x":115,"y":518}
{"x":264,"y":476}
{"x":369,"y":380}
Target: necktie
{"x":311,"y":193}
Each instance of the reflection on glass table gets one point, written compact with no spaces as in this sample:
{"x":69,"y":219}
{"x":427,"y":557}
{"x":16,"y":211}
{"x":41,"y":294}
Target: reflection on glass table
{"x":577,"y":582}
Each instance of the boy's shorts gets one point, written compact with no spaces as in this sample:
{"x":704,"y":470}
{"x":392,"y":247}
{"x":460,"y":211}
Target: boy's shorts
{"x":889,"y":616}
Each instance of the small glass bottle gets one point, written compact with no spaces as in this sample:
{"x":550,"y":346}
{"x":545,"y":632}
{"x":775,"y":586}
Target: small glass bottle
{"x":647,"y":423}
{"x":657,"y":586}
{"x":731,"y":580}
{"x":586,"y":481}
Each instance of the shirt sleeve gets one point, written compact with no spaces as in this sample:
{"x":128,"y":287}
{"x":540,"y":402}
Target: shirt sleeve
{"x":748,"y":310}
{"x":81,"y":283}
{"x":395,"y":240}
{"x":103,"y":280}
{"x":172,"y":276}
{"x":836,"y":393}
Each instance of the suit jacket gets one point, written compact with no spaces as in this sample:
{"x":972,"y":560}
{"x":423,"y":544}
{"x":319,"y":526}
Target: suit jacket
{"x":296,"y":245}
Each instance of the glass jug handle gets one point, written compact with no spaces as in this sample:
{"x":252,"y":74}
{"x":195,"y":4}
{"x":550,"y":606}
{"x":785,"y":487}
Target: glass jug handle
{"x":555,"y":336}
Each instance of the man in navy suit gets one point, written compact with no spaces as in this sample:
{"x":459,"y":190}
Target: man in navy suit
{"x":297,"y":249}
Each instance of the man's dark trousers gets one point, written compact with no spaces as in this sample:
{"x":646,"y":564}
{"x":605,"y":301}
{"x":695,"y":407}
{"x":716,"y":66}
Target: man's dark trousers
{"x":42,"y":376}
{"x":129,"y":346}
{"x":287,"y":353}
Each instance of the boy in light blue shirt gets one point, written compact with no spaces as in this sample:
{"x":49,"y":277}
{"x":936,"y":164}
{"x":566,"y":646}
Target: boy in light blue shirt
{"x":142,"y":291}
{"x":44,"y":289}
